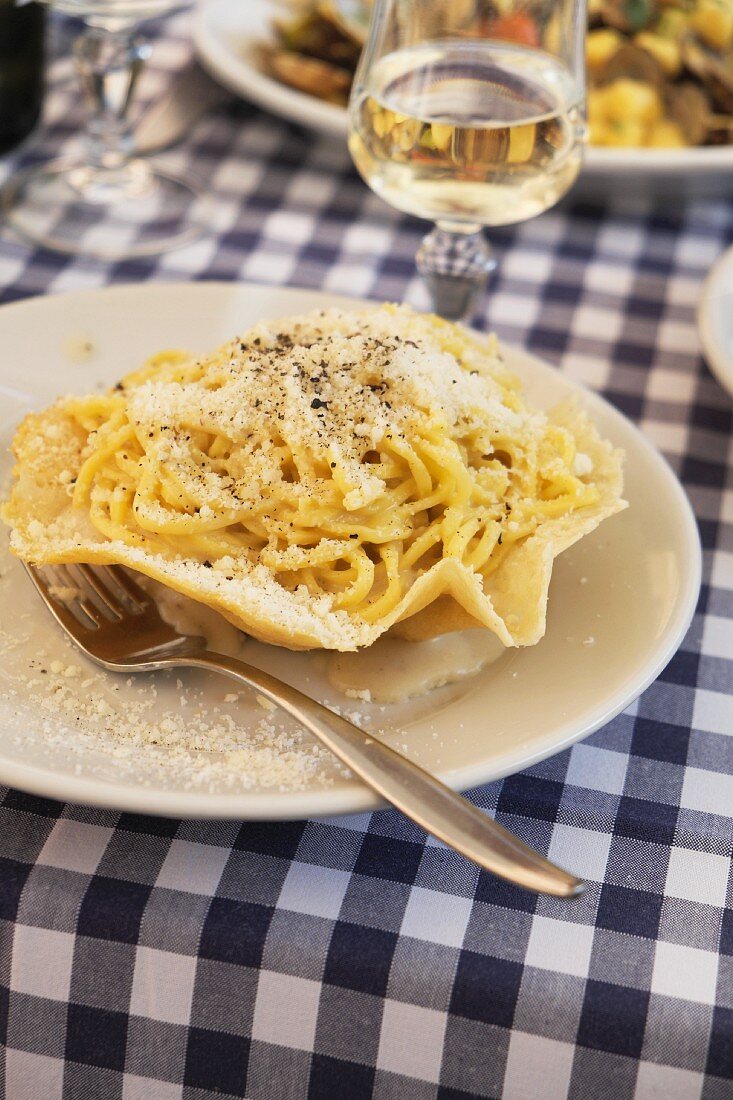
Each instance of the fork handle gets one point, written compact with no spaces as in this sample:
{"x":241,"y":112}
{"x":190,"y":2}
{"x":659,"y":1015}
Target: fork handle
{"x":419,"y":795}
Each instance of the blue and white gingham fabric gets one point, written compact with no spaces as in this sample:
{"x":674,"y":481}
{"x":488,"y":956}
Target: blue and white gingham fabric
{"x":150,"y":959}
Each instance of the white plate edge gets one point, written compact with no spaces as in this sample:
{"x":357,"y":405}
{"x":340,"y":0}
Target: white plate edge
{"x":713,"y":292}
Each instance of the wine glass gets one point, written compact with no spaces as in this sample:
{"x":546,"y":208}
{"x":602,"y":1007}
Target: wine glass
{"x":109,"y":204}
{"x":469,"y":113}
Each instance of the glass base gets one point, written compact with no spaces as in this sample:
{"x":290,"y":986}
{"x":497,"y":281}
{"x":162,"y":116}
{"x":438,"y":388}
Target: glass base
{"x":110,"y":214}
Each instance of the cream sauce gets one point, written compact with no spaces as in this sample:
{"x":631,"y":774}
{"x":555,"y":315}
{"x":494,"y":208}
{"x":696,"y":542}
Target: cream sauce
{"x":191,"y":617}
{"x":389,"y":671}
{"x":392,"y":670}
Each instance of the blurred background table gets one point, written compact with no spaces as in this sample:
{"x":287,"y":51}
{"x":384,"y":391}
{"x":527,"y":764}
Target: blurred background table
{"x":149,"y":959}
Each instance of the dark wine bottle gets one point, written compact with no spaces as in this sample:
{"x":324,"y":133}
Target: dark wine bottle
{"x":21,"y":70}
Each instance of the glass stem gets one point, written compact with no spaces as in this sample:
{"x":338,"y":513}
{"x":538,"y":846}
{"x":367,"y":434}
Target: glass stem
{"x":455,"y":263}
{"x":109,"y":63}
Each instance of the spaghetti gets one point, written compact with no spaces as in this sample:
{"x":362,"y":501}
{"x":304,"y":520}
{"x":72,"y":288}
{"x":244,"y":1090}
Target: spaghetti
{"x":347,"y":455}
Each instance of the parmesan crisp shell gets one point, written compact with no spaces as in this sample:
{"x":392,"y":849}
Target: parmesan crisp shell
{"x":48,"y":528}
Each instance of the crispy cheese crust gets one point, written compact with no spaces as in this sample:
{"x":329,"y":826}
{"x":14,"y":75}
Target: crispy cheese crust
{"x":321,"y":480}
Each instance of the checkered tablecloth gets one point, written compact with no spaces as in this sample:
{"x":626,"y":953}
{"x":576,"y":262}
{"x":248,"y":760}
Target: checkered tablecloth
{"x":151,"y":959}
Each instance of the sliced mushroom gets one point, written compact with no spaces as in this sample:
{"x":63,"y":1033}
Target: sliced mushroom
{"x":595,"y":14}
{"x":315,"y":34}
{"x":688,"y":106}
{"x":633,"y":63}
{"x":714,"y":72}
{"x":310,"y":75}
{"x":719,"y":129}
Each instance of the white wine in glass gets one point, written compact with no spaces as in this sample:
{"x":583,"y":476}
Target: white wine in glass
{"x":457,"y":123}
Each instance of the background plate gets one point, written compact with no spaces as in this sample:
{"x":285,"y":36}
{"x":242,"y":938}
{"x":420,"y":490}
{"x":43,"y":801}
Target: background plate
{"x":715,"y":319}
{"x":227,"y":32}
{"x":620,"y":601}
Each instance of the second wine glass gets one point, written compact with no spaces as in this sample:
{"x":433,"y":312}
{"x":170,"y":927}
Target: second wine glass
{"x":106,"y":202}
{"x":469,"y":113}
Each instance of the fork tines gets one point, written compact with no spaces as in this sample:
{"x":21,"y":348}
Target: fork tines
{"x":94,"y":595}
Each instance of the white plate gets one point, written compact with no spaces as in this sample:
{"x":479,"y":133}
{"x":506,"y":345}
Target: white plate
{"x":227,"y":32}
{"x":620,"y":601}
{"x":715,"y":319}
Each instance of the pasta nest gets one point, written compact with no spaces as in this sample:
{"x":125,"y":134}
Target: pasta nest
{"x":321,"y":480}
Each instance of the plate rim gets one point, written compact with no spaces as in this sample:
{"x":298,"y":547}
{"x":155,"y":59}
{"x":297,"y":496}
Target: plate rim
{"x":714,"y":292}
{"x":246,"y":80}
{"x":290,"y":805}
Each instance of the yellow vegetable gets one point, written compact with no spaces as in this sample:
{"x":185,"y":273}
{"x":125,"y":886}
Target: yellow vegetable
{"x":383,"y":121}
{"x":596,"y":105}
{"x":600,"y":46}
{"x":625,"y":135}
{"x":632,"y":101}
{"x":552,"y":39}
{"x":672,"y":23}
{"x":442,"y":135}
{"x":666,"y":134}
{"x":713,"y":21}
{"x":598,"y":132}
{"x":405,"y":134}
{"x":664,"y":50}
{"x":521,"y":143}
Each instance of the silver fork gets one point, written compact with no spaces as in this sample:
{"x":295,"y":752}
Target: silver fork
{"x":118,"y":625}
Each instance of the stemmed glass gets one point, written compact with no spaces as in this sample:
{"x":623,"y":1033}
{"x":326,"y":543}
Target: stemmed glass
{"x":108,"y":204}
{"x":469,"y":113}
